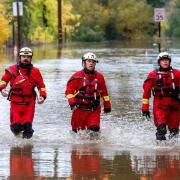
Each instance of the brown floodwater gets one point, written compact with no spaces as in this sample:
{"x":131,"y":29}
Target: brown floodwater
{"x":126,"y":149}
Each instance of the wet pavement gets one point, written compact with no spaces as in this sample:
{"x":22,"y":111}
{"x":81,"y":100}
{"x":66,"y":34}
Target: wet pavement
{"x":126,"y":149}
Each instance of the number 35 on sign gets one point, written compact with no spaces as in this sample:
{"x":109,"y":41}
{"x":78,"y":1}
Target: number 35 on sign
{"x":159,"y":14}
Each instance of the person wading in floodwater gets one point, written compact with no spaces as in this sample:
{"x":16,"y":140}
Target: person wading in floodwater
{"x":23,"y":78}
{"x":84,"y":90}
{"x":164,"y":83}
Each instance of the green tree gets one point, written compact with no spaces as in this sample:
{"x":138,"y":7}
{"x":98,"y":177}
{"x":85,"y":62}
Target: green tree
{"x":70,"y":20}
{"x":92,"y":22}
{"x":172,"y":24}
{"x":42,"y":24}
{"x":131,"y":18}
{"x":157,"y":3}
{"x":40,"y":20}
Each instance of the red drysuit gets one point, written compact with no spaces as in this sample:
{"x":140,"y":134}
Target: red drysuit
{"x":84,"y":91}
{"x":22,"y":94}
{"x":165,"y":88}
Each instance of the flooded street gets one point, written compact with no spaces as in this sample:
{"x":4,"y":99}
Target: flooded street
{"x":127,"y":148}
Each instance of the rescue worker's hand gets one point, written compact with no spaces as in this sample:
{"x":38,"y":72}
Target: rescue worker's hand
{"x":40,"y":100}
{"x":146,"y":114}
{"x":74,"y":108}
{"x":4,"y":92}
{"x":107,"y":110}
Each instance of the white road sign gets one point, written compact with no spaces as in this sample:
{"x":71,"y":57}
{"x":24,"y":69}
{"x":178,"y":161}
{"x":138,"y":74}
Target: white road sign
{"x":17,"y":5}
{"x":159,"y":14}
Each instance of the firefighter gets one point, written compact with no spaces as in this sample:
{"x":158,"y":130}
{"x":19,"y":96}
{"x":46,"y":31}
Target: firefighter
{"x":23,"y":78}
{"x":164,"y":83}
{"x":84,"y":90}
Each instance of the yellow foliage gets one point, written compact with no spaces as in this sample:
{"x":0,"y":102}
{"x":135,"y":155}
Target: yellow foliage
{"x":41,"y":35}
{"x":51,"y":13}
{"x":69,"y":20}
{"x":4,"y":27}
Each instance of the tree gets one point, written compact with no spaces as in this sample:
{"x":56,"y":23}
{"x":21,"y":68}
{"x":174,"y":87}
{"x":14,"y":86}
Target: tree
{"x":40,"y":20}
{"x":92,"y":22}
{"x":4,"y":25}
{"x":43,"y":21}
{"x":70,"y":19}
{"x":131,"y":18}
{"x":172,"y":28}
{"x":158,"y":3}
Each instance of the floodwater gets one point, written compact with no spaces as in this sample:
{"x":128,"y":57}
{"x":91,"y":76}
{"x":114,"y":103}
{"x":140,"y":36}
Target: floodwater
{"x":126,"y":149}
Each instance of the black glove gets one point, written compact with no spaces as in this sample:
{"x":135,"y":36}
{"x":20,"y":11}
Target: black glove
{"x":72,"y":105}
{"x":146,"y":114}
{"x":107,"y":110}
{"x":95,"y":104}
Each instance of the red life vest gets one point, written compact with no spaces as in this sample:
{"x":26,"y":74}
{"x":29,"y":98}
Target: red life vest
{"x":88,"y":96}
{"x":166,"y":84}
{"x":22,"y":89}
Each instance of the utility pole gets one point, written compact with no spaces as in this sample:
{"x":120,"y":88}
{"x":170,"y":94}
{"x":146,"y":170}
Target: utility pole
{"x":18,"y":26}
{"x":60,"y":38}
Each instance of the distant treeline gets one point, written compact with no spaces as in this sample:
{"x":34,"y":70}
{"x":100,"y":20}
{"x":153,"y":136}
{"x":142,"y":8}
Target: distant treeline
{"x":89,"y":20}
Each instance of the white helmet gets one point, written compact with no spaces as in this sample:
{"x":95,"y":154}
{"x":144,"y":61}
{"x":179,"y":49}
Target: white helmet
{"x":163,"y":55}
{"x":89,"y":55}
{"x":25,"y":51}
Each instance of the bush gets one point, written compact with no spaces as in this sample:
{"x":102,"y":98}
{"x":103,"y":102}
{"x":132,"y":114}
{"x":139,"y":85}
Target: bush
{"x":87,"y":34}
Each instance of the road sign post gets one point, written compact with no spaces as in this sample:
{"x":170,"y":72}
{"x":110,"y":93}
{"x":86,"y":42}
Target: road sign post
{"x":159,"y":15}
{"x":18,"y":12}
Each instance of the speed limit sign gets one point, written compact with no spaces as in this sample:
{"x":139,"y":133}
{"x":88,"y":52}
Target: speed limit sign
{"x":159,"y":14}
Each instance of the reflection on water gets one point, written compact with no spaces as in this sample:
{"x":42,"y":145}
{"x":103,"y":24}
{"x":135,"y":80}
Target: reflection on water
{"x":21,"y":163}
{"x":85,"y":165}
{"x":89,"y":161}
{"x":126,"y":149}
{"x":157,"y":167}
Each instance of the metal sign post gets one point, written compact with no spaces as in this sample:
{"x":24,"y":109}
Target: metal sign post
{"x":159,"y":15}
{"x":17,"y":8}
{"x":18,"y":12}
